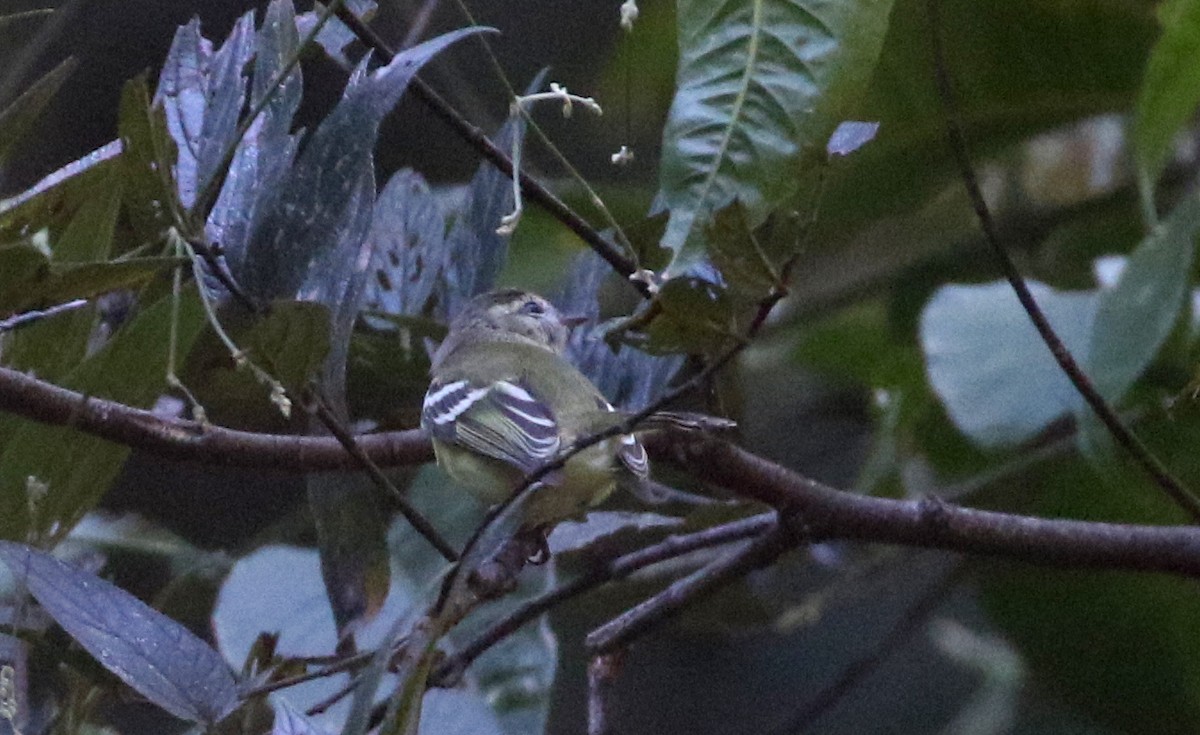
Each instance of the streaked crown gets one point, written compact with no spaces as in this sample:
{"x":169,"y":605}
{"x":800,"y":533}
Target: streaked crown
{"x":513,"y":313}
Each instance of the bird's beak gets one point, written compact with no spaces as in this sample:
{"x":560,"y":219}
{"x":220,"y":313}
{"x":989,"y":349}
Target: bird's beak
{"x":573,"y":321}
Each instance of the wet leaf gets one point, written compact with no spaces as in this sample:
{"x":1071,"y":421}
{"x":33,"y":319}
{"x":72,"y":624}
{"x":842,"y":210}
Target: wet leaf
{"x":150,"y":652}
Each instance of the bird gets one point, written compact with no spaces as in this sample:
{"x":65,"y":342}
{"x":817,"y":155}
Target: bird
{"x":503,"y":400}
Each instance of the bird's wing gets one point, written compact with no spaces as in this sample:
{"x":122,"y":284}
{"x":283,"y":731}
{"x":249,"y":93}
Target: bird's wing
{"x":502,"y":420}
{"x":631,"y":453}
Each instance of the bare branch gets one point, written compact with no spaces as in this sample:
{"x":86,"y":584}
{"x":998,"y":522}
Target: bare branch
{"x":451,"y":669}
{"x":1141,"y":454}
{"x":824,"y":512}
{"x":172,"y":438}
{"x":652,"y":612}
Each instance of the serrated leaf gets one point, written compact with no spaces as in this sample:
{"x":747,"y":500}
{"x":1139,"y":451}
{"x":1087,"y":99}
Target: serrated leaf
{"x":23,"y":112}
{"x":1134,"y":318}
{"x":989,"y":367}
{"x":759,"y":82}
{"x":1170,"y":89}
{"x":409,"y":232}
{"x":77,"y":467}
{"x":739,"y":254}
{"x":155,"y":655}
{"x":226,"y":97}
{"x":299,"y":242}
{"x":694,"y":315}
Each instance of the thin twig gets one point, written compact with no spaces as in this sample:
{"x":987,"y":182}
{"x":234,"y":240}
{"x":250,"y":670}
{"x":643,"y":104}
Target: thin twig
{"x":603,"y":671}
{"x":338,"y":667}
{"x":1141,"y":454}
{"x":854,"y":673}
{"x":652,"y":612}
{"x":26,"y":318}
{"x":532,"y":188}
{"x":411,"y":514}
{"x":675,"y":546}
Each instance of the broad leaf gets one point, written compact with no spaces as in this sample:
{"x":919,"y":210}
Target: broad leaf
{"x":265,"y":153}
{"x":989,"y":367}
{"x":352,"y":539}
{"x":317,"y":251}
{"x":148,"y":162}
{"x":760,"y":82}
{"x":1134,"y":318}
{"x":150,"y":652}
{"x":1170,"y":90}
{"x":55,"y":284}
{"x":77,"y":467}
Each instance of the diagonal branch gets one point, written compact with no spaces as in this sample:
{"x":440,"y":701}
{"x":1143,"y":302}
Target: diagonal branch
{"x":1141,"y":454}
{"x":531,"y":187}
{"x":823,"y":512}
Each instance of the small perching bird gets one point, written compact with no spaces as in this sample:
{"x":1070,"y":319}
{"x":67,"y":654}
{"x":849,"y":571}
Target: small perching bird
{"x":503,"y":401}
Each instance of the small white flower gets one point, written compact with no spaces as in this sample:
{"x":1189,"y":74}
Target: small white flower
{"x":623,"y":157}
{"x":629,"y":13}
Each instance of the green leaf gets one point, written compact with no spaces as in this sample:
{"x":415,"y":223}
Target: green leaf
{"x":989,"y":367}
{"x":760,"y":83}
{"x":1135,"y":317}
{"x":52,"y":347}
{"x":22,"y":113}
{"x":20,"y":263}
{"x":1071,"y":626}
{"x":690,"y":315}
{"x":77,"y":467}
{"x":739,"y":253}
{"x":155,"y":655}
{"x":1170,"y":90}
{"x":290,"y":342}
{"x":54,"y":284}
{"x":1074,"y":63}
{"x":148,"y":162}
{"x":352,"y":540}
{"x":54,"y":200}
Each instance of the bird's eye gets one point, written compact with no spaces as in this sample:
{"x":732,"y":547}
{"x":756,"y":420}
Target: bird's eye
{"x":534,"y":308}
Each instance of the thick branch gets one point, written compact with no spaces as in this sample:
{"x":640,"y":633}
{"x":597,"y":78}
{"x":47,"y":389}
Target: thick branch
{"x":171,"y":438}
{"x":824,"y":512}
